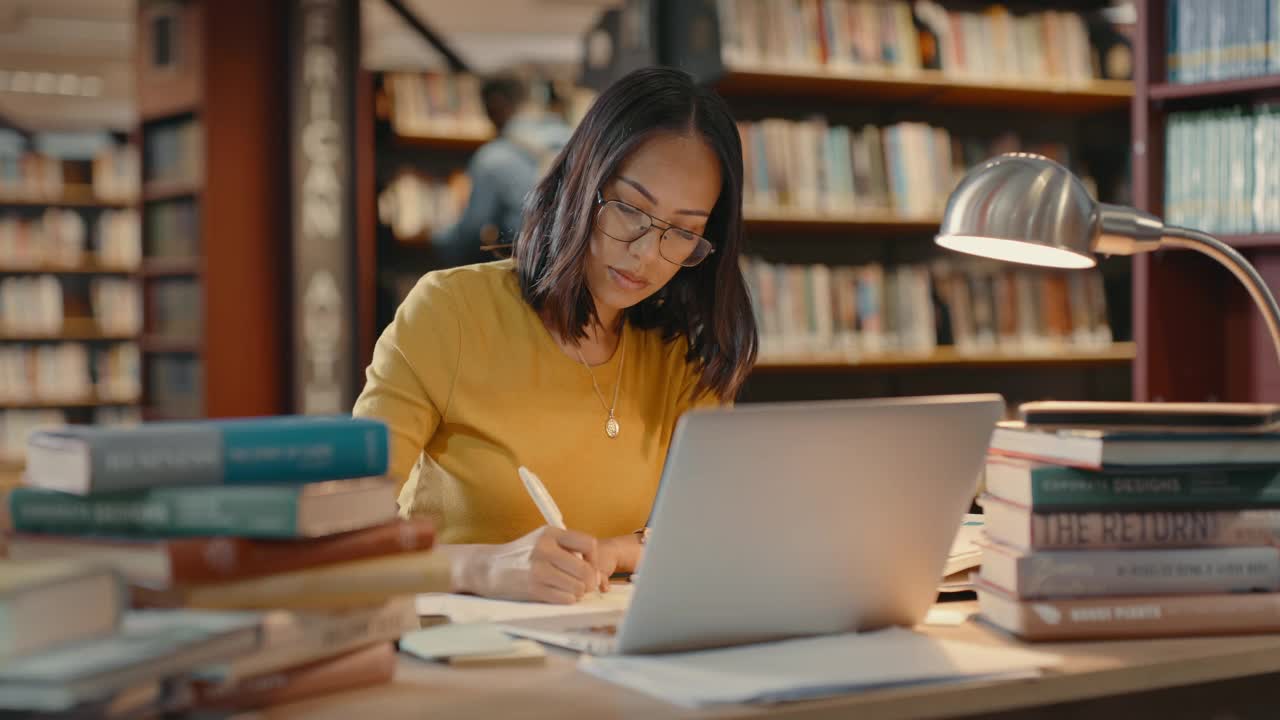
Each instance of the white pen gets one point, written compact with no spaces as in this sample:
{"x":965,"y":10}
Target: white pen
{"x":546,"y":504}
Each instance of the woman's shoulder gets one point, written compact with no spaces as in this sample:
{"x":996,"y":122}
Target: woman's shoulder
{"x":466,"y":285}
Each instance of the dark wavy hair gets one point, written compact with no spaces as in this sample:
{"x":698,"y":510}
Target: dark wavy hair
{"x":708,"y":303}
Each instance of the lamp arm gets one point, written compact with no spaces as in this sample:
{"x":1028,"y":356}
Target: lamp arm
{"x":1245,"y":272}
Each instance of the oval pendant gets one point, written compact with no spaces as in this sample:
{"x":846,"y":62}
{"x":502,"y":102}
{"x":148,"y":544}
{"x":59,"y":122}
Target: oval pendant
{"x":611,"y":427}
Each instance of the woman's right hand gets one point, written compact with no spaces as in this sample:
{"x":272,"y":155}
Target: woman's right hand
{"x":546,"y":565}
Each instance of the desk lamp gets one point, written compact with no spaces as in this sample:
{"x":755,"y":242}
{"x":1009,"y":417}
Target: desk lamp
{"x":1028,"y":209}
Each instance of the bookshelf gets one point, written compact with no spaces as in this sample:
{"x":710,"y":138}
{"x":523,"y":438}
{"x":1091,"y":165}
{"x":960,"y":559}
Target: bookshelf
{"x":928,"y":119}
{"x":212,"y":102}
{"x":462,"y":143}
{"x":69,"y":309}
{"x":1118,"y":353}
{"x":928,"y":87}
{"x":793,"y":221}
{"x":423,"y":128}
{"x":1198,"y":334}
{"x":1057,"y":106}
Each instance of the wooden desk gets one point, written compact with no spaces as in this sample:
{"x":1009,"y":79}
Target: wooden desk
{"x":1220,"y":678}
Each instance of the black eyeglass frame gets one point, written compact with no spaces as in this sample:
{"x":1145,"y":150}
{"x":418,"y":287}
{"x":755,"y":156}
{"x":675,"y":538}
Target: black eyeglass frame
{"x":601,"y":202}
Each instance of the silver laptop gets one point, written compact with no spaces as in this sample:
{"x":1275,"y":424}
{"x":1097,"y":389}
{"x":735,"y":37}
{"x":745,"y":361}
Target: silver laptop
{"x":792,"y":519}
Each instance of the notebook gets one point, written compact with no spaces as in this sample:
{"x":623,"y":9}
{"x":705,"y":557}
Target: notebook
{"x":809,"y":668}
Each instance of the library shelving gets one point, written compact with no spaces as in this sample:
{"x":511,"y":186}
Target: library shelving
{"x":826,"y":222}
{"x":212,"y":103}
{"x":442,"y":142}
{"x":929,"y":87}
{"x":1117,"y":353}
{"x":927,"y":114}
{"x":72,"y":197}
{"x":1199,"y":336}
{"x":69,"y":310}
{"x":1057,"y":105}
{"x":81,"y":268}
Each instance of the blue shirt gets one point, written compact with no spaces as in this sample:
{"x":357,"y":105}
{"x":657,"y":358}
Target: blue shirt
{"x":502,"y":173}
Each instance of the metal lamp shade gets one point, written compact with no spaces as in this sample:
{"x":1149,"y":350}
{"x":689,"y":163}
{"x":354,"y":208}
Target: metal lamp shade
{"x":1022,"y":208}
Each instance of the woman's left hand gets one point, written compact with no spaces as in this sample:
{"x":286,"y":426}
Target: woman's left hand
{"x":616,"y":554}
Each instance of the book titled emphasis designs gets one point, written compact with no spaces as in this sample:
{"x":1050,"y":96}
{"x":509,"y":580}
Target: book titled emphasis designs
{"x":90,"y":459}
{"x":1053,"y":487}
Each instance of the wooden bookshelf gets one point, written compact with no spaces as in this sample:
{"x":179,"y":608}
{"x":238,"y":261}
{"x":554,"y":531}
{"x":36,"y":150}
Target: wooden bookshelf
{"x":463,"y":143}
{"x":948,"y":357}
{"x":72,"y":197}
{"x":88,"y":268}
{"x":793,"y":221}
{"x":171,"y":267}
{"x":158,"y":191}
{"x":929,"y":87}
{"x":72,"y":334}
{"x":1223,"y":89}
{"x":1199,"y":335}
{"x":157,"y":344}
{"x":225,"y":70}
{"x":65,"y":404}
{"x":1261,"y":240}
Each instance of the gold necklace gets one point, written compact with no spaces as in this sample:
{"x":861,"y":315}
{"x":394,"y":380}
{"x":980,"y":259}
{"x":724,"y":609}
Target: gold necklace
{"x":611,"y":427}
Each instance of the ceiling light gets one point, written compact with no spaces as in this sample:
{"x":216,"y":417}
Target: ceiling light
{"x":68,"y":84}
{"x":46,"y":83}
{"x":91,"y":86}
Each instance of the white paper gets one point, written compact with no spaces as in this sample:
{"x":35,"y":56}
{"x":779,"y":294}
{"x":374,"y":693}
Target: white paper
{"x":472,"y":609}
{"x":812,"y":667}
{"x":943,"y":616}
{"x":456,"y":640}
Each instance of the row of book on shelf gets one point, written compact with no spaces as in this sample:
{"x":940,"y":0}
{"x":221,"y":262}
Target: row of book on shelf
{"x":38,"y":304}
{"x":175,"y":385}
{"x":69,"y":372}
{"x":814,"y":167}
{"x":41,"y":167}
{"x":175,"y":308}
{"x":1133,"y":526}
{"x":1220,"y":41}
{"x":1222,"y":169}
{"x":174,"y":153}
{"x":436,"y":103}
{"x":899,"y":37}
{"x":66,"y":238}
{"x":913,"y":308}
{"x":242,"y":563}
{"x":414,"y":205}
{"x":173,"y":229}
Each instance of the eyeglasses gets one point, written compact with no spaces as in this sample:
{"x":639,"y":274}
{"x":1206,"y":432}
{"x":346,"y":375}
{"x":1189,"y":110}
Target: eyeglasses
{"x":627,"y":224}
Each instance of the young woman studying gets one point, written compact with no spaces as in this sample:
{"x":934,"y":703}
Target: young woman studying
{"x":622,"y":308}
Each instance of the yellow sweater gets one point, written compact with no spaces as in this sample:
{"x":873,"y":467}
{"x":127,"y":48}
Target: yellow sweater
{"x":472,"y":385}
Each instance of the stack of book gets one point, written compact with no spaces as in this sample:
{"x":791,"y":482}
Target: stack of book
{"x":70,"y":644}
{"x":289,"y":519}
{"x":860,"y":312}
{"x":1112,"y":527}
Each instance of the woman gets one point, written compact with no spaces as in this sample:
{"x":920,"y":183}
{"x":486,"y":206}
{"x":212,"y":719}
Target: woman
{"x":623,"y":307}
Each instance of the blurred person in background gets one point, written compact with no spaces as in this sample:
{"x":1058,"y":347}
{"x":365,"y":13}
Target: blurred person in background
{"x":504,"y":170}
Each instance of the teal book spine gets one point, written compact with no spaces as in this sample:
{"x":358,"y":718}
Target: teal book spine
{"x":265,"y":511}
{"x":1064,"y":488}
{"x":250,"y":451}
